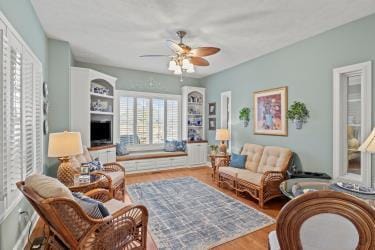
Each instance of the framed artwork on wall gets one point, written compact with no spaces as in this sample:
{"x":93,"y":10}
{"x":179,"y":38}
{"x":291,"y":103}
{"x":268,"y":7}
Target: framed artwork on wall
{"x":212,"y":108}
{"x":212,"y":123}
{"x":270,"y":109}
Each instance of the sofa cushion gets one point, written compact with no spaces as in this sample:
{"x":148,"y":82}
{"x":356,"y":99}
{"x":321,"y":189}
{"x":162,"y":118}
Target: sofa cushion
{"x":274,"y":159}
{"x":238,"y":161}
{"x":47,"y":187}
{"x":254,"y":153}
{"x":243,"y":174}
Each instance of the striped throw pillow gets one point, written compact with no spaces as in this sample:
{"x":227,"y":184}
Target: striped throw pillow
{"x":92,"y":207}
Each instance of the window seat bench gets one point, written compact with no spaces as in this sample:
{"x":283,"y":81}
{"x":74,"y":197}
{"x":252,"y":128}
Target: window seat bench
{"x":137,"y":162}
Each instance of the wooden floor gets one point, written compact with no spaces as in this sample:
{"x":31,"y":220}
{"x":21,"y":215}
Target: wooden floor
{"x":256,"y":240}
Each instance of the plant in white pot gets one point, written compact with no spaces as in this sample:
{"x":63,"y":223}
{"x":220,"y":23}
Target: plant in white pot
{"x":245,"y":116}
{"x":298,"y":113}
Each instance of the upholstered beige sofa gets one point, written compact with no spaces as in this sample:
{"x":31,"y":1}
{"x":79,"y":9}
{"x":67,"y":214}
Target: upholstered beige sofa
{"x":264,"y":170}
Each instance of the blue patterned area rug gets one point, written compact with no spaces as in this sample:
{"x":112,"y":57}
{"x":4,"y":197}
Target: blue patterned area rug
{"x":185,"y":213}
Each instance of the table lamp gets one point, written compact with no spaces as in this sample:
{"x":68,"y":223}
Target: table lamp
{"x":222,"y":135}
{"x":63,"y":146}
{"x":369,"y":144}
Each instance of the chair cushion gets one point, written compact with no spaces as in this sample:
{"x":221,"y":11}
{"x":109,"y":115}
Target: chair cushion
{"x":114,"y":205}
{"x":238,"y":161}
{"x":92,"y":207}
{"x":274,"y":159}
{"x":272,"y":241}
{"x":243,"y":174}
{"x":253,"y":153}
{"x":47,"y":187}
{"x":116,"y":177}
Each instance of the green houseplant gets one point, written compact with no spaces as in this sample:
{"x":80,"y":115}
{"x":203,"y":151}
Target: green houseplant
{"x":214,"y":148}
{"x":298,"y":113}
{"x":245,"y":116}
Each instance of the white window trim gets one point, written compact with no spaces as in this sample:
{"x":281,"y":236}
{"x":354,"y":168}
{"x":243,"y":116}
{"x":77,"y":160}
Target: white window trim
{"x":339,"y":122}
{"x":120,"y":93}
{"x":9,"y":28}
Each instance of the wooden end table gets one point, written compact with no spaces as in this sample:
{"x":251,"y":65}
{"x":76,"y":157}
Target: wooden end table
{"x":218,"y":160}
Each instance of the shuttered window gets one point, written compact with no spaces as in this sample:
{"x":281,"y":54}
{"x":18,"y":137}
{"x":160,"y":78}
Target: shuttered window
{"x":21,"y":148}
{"x":148,"y":119}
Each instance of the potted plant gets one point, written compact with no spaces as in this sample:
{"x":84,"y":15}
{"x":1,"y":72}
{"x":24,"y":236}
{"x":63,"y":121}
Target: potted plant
{"x":245,"y":116}
{"x":298,"y":113}
{"x":213,"y":148}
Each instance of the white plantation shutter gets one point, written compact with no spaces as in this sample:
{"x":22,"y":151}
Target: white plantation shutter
{"x":21,"y":148}
{"x":150,"y":117}
{"x":157,"y":121}
{"x":172,"y":120}
{"x":143,"y":120}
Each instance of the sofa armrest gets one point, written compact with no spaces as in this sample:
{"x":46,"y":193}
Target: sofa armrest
{"x":113,"y":167}
{"x":272,"y":178}
{"x":99,"y":194}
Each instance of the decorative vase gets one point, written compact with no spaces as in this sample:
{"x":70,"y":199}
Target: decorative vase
{"x":298,"y":123}
{"x":245,"y":123}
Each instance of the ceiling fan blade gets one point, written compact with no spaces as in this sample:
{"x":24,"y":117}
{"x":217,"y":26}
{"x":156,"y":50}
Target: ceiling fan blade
{"x":199,"y":61}
{"x":204,"y":51}
{"x":155,"y":56}
{"x":174,"y":46}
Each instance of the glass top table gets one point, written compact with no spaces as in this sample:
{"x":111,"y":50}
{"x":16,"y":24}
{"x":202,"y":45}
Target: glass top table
{"x":292,"y":188}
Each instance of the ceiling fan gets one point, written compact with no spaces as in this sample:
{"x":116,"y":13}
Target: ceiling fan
{"x":185,"y":58}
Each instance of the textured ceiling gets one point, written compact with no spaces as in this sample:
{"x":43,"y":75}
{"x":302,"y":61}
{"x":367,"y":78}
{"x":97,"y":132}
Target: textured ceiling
{"x":116,"y":32}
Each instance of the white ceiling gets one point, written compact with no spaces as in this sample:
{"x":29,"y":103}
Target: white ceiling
{"x":117,"y":32}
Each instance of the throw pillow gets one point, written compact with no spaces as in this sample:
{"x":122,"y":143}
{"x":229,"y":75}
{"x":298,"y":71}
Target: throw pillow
{"x":47,"y":187}
{"x":238,"y":161}
{"x":181,"y":146}
{"x":170,"y":146}
{"x":121,"y":149}
{"x":93,"y":165}
{"x":92,"y":207}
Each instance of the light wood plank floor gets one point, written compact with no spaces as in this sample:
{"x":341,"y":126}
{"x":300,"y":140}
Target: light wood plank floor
{"x":256,"y":240}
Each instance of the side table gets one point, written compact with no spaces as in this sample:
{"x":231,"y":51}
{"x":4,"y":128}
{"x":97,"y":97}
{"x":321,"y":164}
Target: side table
{"x":218,"y":160}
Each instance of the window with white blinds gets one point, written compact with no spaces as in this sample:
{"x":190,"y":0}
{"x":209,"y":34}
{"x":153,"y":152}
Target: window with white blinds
{"x":148,"y":119}
{"x":21,"y":148}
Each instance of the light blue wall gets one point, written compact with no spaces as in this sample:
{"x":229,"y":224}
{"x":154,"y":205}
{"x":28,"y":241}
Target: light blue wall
{"x":23,"y":18}
{"x":136,"y":80}
{"x":306,"y":68}
{"x":60,"y":60}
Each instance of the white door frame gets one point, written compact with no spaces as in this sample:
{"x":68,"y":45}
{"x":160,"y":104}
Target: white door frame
{"x":340,"y":121}
{"x":224,"y":111}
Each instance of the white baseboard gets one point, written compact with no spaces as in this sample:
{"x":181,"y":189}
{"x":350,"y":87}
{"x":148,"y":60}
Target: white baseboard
{"x":165,"y":169}
{"x":22,"y":240}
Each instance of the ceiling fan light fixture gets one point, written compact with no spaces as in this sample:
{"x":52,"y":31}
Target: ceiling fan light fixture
{"x":190,"y":69}
{"x":172,"y":65}
{"x":185,"y":63}
{"x":178,"y":71}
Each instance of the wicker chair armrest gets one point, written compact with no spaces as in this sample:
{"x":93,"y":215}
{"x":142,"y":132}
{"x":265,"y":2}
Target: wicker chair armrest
{"x":113,"y":167}
{"x":99,"y":194}
{"x":272,"y":177}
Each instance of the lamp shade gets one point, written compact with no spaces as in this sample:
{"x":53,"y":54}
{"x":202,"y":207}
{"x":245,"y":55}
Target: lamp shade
{"x":369,"y":144}
{"x":64,"y":144}
{"x":222,"y":134}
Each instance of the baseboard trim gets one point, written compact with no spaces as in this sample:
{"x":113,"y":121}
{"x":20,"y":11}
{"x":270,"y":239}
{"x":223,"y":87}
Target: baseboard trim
{"x":22,"y":240}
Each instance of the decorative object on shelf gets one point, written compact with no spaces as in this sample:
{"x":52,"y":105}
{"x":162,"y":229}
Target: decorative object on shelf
{"x":212,"y":123}
{"x":102,"y":106}
{"x":298,"y":113}
{"x":214,"y":149}
{"x":270,"y":109}
{"x":45,"y":89}
{"x":245,"y":116}
{"x":63,"y":146}
{"x":222,"y":135}
{"x":369,"y":144}
{"x":212,"y":108}
{"x":184,"y":58}
{"x":100,"y":90}
{"x":45,"y":127}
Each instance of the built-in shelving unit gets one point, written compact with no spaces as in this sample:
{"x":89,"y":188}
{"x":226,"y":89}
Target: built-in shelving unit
{"x":92,"y":104}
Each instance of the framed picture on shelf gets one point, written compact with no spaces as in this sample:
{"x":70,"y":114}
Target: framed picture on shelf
{"x":212,"y":123}
{"x":212,"y":108}
{"x":270,"y":108}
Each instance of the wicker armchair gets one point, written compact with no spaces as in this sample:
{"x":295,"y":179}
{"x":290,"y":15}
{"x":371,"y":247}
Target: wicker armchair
{"x":70,"y":227}
{"x":113,"y":173}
